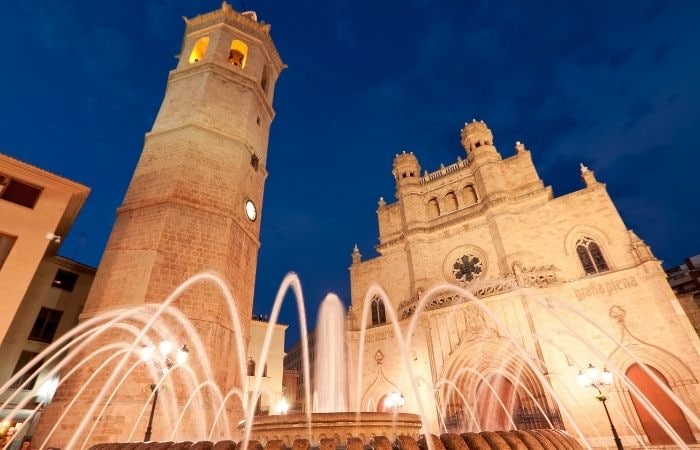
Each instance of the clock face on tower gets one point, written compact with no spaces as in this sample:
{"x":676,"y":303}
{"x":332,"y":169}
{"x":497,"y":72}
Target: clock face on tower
{"x":250,"y":211}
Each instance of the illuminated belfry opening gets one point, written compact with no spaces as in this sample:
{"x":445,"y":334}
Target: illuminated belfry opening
{"x":199,"y":50}
{"x":238,"y":53}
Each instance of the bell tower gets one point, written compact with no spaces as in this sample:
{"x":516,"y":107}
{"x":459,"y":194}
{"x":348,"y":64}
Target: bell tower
{"x":194,"y":204}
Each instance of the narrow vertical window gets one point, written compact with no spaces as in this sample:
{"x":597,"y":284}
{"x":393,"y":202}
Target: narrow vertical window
{"x":597,"y":256}
{"x":199,"y":50}
{"x":6,"y":244}
{"x":469,"y":195}
{"x":45,"y":325}
{"x":265,"y":80}
{"x":382,"y":312}
{"x":251,"y":367}
{"x":238,"y":53}
{"x":433,"y":209}
{"x":24,"y":358}
{"x":591,"y":256}
{"x":450,"y":202}
{"x":254,"y":162}
{"x":378,"y":312}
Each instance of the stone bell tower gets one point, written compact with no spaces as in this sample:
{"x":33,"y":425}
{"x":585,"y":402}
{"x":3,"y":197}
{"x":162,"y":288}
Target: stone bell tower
{"x":193,"y":205}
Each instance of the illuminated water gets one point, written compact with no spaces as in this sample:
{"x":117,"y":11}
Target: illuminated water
{"x":206,"y":403}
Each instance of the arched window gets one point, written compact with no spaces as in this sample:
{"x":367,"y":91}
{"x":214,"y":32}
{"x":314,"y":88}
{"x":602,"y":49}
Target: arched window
{"x":663,"y":404}
{"x":469,"y":195}
{"x":265,"y":80}
{"x":378,"y":312}
{"x":199,"y":50}
{"x":238,"y":54}
{"x":433,"y":209}
{"x":251,"y":367}
{"x":591,"y":256}
{"x":450,"y":202}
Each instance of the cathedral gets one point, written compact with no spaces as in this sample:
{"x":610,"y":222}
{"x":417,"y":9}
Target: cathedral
{"x":546,"y":289}
{"x":489,"y":301}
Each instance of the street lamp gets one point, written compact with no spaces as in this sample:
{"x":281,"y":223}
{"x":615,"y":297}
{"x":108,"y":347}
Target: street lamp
{"x":282,"y":407}
{"x":151,"y":353}
{"x":394,"y":401}
{"x":592,"y":377}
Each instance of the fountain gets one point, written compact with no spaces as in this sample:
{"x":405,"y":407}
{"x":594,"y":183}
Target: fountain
{"x":328,"y":421}
{"x":330,"y":418}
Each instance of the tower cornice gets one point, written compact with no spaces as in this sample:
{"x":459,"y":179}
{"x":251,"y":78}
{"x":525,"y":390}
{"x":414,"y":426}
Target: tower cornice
{"x":228,"y":137}
{"x":241,"y":77}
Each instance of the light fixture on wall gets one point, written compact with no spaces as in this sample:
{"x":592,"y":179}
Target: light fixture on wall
{"x":53,"y":237}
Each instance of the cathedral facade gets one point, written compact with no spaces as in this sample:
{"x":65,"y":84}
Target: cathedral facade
{"x":531,"y":290}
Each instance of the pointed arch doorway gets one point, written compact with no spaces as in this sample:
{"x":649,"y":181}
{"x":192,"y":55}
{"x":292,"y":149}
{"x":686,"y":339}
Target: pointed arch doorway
{"x":662,"y":402}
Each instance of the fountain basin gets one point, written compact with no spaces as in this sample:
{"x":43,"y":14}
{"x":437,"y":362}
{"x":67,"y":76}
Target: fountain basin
{"x":338,"y":426}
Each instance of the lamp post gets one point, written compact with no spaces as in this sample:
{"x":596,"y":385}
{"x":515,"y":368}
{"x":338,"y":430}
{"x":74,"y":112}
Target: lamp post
{"x":151,"y":353}
{"x":592,"y":377}
{"x":282,"y":407}
{"x":394,"y":401}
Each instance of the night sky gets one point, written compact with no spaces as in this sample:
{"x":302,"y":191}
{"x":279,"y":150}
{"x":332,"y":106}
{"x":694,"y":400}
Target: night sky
{"x":615,"y":85}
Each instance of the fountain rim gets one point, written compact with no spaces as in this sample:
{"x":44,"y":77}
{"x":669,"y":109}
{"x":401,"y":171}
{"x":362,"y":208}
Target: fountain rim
{"x":337,"y":417}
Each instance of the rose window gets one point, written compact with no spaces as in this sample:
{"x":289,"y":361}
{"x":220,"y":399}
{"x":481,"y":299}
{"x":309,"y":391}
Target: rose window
{"x":467,"y":268}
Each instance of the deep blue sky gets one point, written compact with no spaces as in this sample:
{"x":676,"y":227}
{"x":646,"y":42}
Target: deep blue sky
{"x":613,"y":84}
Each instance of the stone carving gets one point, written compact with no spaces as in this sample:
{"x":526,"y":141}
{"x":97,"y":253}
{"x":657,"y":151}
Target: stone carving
{"x":536,"y":276}
{"x":379,"y":357}
{"x":479,"y":290}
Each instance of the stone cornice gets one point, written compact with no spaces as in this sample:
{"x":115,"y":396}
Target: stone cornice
{"x":72,"y":264}
{"x":208,"y":130}
{"x":239,"y":77}
{"x":175,"y":201}
{"x":483,"y":208}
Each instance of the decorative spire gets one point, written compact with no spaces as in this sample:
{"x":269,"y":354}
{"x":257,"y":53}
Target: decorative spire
{"x":587,"y":176}
{"x":356,"y":256}
{"x":520,"y":147}
{"x":640,"y":249}
{"x":382,"y":202}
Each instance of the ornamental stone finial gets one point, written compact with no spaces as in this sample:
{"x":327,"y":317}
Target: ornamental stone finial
{"x":356,"y":256}
{"x":382,"y":202}
{"x":519,"y":147}
{"x":588,"y":176}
